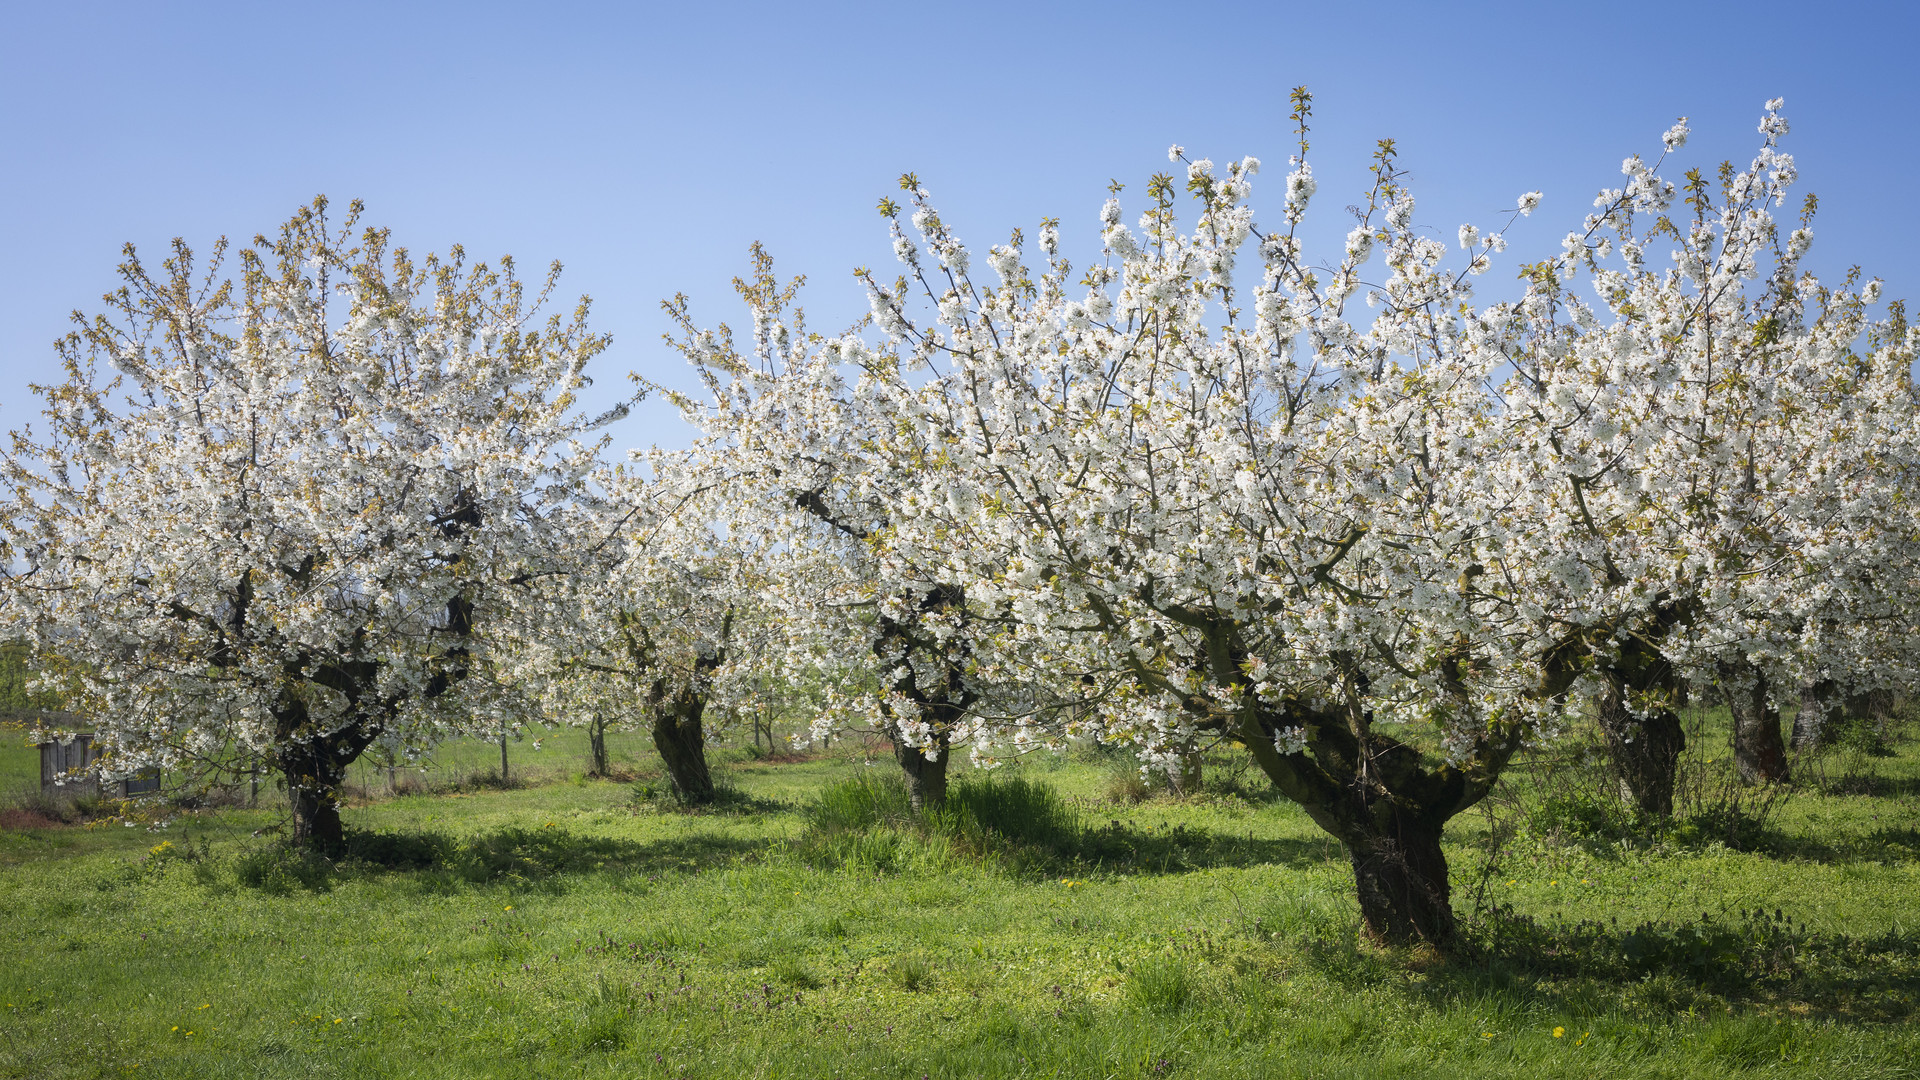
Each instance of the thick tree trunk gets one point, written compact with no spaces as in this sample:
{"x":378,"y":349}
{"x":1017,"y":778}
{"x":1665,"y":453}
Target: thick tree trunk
{"x":1387,"y":804}
{"x":314,"y":772}
{"x":1759,"y":752}
{"x":316,"y":819}
{"x":943,"y":707}
{"x":925,"y":769}
{"x":1645,"y":750}
{"x":682,"y":743}
{"x":1819,"y":702}
{"x":1402,"y":883}
{"x":1384,"y":800}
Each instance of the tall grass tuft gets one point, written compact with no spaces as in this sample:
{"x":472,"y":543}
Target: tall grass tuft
{"x":911,"y":972}
{"x":998,"y":809}
{"x":1160,"y":984}
{"x":607,"y":1020}
{"x":868,"y":821}
{"x":863,"y":802}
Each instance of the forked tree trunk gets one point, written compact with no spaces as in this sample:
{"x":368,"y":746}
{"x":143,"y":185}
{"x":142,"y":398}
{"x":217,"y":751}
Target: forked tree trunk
{"x":316,"y":813}
{"x":1644,"y":737}
{"x":896,"y":644}
{"x":1645,"y":750}
{"x":1759,"y":752}
{"x":315,"y":767}
{"x":1385,"y":801}
{"x":678,"y":732}
{"x":1387,"y":804}
{"x":943,"y":706}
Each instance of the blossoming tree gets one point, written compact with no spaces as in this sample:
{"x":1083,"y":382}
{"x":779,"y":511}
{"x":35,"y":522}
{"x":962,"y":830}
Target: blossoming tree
{"x":657,"y":624}
{"x":1716,"y":463}
{"x":1237,"y":513}
{"x":288,"y":525}
{"x":798,"y":449}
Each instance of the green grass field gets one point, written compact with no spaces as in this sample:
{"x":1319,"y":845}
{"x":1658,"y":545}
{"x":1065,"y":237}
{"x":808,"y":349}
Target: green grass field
{"x":573,"y":928}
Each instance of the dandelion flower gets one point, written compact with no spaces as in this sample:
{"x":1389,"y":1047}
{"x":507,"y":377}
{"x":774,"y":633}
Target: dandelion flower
{"x":1559,"y":1032}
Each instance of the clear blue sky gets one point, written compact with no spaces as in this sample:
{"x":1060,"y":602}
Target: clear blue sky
{"x":647,"y":145}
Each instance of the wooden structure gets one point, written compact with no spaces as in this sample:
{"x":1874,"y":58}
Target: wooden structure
{"x":64,"y":767}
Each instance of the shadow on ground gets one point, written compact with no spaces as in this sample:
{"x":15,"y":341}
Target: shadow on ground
{"x":539,"y":857}
{"x":1751,"y":960}
{"x":1121,"y":848}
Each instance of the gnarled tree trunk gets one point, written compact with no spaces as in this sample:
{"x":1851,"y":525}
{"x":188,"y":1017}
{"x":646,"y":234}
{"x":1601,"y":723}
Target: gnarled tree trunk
{"x":314,"y":769}
{"x":313,"y":791}
{"x":314,"y":765}
{"x":1645,"y":750}
{"x":682,"y":742}
{"x":1758,"y":749}
{"x":1387,"y":805}
{"x":1385,"y":801}
{"x":905,"y":646}
{"x":678,"y":710}
{"x":942,"y":703}
{"x":1401,"y":877}
{"x":1636,"y":704}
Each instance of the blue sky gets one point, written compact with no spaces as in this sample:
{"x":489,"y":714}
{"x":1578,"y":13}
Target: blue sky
{"x":647,"y":145}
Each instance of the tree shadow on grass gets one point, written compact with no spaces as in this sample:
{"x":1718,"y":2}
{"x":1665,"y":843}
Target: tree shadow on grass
{"x":1871,"y":784}
{"x":541,"y":858}
{"x":542,"y":853}
{"x":728,"y":799}
{"x":1610,"y":832}
{"x":1017,"y":825}
{"x":1121,"y":848}
{"x":1756,"y":959}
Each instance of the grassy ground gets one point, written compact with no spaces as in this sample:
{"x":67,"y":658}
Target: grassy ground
{"x":574,"y":929}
